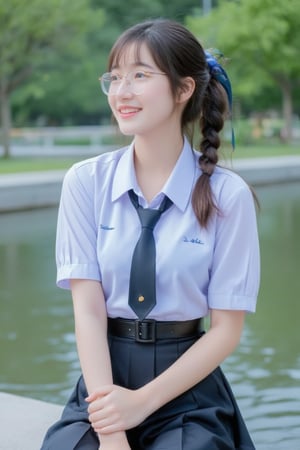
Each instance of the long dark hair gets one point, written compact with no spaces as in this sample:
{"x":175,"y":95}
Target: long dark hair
{"x":178,"y":53}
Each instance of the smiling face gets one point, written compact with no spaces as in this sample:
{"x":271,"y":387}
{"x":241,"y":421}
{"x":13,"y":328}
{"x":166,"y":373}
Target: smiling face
{"x":154,"y":107}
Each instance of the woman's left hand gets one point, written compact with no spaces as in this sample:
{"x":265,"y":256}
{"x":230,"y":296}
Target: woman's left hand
{"x":113,"y":408}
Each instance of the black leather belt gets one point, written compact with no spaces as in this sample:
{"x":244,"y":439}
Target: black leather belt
{"x":149,"y":330}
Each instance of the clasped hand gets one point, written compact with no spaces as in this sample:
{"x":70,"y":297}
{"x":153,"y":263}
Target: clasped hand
{"x":113,"y":408}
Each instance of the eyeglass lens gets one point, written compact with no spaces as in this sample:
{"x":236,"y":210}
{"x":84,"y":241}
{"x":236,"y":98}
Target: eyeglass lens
{"x":111,"y":85}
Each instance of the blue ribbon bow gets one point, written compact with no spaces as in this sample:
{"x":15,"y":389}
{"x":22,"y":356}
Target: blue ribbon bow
{"x":219,"y":74}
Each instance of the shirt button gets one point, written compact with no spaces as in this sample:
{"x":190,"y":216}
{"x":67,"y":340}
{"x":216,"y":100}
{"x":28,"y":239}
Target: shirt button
{"x":141,"y":298}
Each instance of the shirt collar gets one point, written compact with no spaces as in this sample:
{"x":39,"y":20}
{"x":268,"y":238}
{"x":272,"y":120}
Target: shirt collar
{"x":178,"y":187}
{"x":124,"y":176}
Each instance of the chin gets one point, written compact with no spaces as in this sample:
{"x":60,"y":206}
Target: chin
{"x":128,"y":130}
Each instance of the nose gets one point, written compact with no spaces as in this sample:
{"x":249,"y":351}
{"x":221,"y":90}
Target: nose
{"x":125,"y":88}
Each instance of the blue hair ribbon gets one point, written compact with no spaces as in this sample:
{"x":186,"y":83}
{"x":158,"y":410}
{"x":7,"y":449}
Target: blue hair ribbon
{"x":219,"y":74}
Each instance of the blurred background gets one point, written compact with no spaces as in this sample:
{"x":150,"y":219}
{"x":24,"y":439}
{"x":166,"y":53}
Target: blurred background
{"x":53,"y":113}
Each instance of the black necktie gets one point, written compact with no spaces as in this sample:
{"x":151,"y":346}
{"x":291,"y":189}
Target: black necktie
{"x":142,"y":290}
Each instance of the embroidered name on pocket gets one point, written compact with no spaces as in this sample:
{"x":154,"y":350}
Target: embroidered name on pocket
{"x":193,"y":240}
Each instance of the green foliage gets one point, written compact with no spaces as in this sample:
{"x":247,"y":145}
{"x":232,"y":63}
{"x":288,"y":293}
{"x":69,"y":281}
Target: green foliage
{"x":32,"y":33}
{"x":49,"y":59}
{"x":126,"y":14}
{"x":63,"y":94}
{"x":261,"y":38}
{"x":52,"y":52}
{"x":64,"y":88}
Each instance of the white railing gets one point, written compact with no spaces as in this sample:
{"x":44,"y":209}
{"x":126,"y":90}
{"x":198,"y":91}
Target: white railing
{"x":51,"y":136}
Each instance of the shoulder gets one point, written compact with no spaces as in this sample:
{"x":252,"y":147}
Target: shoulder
{"x":93,"y":170}
{"x":223,"y":176}
{"x":229,"y":188}
{"x":225,"y":183}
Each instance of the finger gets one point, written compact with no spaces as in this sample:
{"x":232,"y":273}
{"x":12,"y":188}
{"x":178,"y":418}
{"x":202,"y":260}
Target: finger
{"x":96,"y":405}
{"x":92,"y":397}
{"x":106,"y":415}
{"x":104,"y":390}
{"x":107,"y":423}
{"x":108,"y":429}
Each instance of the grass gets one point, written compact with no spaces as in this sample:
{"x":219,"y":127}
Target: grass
{"x":258,"y":151}
{"x":17,"y":165}
{"x":30,"y":164}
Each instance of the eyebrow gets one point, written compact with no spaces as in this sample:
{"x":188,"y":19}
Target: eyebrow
{"x":135,"y":64}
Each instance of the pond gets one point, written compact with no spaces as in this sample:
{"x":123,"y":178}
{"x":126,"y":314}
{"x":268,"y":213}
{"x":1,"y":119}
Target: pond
{"x":38,"y":353}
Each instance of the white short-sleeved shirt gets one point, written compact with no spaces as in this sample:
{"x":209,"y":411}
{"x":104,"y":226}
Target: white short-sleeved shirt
{"x":197,"y":269}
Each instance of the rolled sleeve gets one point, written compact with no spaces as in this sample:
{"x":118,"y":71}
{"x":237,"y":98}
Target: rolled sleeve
{"x":76,"y":238}
{"x":235,"y":272}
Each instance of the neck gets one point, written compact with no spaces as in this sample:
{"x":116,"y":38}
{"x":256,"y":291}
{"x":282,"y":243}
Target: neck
{"x":154,"y":159}
{"x":159,"y":154}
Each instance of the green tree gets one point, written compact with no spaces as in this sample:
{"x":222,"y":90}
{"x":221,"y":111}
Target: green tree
{"x":67,"y":92}
{"x":262,"y":39}
{"x":124,"y":14}
{"x":32,"y":36}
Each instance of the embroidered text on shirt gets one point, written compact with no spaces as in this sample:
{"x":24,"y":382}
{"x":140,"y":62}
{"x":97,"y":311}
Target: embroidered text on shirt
{"x":106,"y":227}
{"x":193,"y":240}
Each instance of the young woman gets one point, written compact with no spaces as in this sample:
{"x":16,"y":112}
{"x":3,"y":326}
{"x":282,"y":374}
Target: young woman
{"x":151,"y":376}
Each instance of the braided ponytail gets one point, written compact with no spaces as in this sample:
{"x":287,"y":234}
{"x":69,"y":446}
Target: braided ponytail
{"x":214,"y":107}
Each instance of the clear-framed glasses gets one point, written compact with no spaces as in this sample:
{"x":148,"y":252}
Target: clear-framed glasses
{"x":136,"y":81}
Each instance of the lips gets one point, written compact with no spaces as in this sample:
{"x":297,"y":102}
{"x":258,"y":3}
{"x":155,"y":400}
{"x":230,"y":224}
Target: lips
{"x":128,"y":111}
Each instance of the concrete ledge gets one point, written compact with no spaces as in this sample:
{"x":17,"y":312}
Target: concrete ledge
{"x":30,"y":190}
{"x":272,"y":170}
{"x":24,"y":422}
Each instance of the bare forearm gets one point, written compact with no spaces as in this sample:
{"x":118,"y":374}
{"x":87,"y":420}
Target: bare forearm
{"x":91,"y":337}
{"x":194,"y":365}
{"x":93,"y":354}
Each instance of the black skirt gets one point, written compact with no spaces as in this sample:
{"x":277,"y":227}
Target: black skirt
{"x":205,"y":417}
